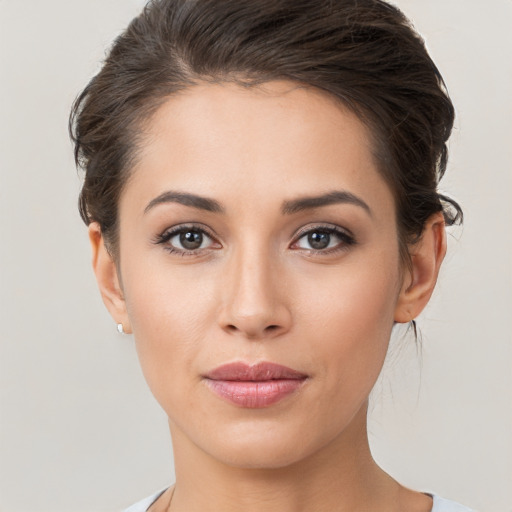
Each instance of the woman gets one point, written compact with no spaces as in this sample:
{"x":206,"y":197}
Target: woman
{"x":261,"y":195}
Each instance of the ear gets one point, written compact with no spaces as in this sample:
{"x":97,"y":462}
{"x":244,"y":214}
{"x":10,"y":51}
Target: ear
{"x":107,"y":278}
{"x":426,"y":257}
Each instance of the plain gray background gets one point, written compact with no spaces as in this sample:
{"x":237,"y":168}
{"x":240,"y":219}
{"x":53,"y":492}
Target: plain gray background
{"x":79,"y":431}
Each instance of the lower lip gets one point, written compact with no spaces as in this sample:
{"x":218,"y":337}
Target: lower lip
{"x":251,"y":394}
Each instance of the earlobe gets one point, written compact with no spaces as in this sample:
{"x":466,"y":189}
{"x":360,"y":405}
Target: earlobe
{"x":107,"y":278}
{"x":426,"y":257}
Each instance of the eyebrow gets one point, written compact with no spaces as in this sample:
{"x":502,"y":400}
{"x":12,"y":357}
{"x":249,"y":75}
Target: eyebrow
{"x":195,"y":201}
{"x":334,"y":197}
{"x":289,"y":207}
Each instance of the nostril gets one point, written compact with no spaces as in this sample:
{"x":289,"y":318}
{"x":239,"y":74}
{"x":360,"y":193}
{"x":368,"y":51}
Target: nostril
{"x":267,"y":330}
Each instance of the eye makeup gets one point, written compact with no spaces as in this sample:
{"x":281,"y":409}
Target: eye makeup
{"x":321,"y":239}
{"x":193,"y":239}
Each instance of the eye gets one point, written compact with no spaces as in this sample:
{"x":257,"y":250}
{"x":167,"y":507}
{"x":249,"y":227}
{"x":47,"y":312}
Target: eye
{"x":186,"y":240}
{"x":324,"y":239}
{"x":189,"y":240}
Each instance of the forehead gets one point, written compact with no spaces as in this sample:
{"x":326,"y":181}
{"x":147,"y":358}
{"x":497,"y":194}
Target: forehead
{"x":275,"y":140}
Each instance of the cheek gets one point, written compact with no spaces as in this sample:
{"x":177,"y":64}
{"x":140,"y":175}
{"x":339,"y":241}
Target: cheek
{"x":355,"y":298}
{"x":170,"y":314}
{"x":162,"y":299}
{"x":352,"y":317}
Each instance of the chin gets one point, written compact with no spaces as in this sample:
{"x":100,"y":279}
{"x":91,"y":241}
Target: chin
{"x":263,"y":454}
{"x":269,"y":444}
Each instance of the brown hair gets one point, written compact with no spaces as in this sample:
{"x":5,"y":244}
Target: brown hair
{"x":363,"y":52}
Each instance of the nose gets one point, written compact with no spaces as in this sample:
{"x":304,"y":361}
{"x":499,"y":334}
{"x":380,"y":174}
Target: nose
{"x":254,"y":297}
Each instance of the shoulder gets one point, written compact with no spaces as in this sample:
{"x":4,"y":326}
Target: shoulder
{"x":143,"y":505}
{"x":443,"y":505}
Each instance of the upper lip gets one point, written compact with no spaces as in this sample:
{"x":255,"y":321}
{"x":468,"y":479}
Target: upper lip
{"x":263,"y":371}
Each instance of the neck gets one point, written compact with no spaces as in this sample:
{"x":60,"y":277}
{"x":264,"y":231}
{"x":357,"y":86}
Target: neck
{"x":341,"y":476}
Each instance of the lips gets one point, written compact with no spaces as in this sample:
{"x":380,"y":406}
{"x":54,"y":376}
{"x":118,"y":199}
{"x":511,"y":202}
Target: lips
{"x":254,"y":386}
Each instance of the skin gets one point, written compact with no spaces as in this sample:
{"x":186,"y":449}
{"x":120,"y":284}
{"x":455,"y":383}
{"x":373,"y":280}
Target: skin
{"x":256,"y":290}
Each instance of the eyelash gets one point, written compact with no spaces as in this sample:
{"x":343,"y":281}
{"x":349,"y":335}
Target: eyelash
{"x":167,"y":235}
{"x":346,"y":239}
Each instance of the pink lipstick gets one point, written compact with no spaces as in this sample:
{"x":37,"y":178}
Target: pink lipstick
{"x":255,"y":386}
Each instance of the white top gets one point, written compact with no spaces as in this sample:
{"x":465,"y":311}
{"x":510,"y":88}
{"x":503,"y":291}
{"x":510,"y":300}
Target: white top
{"x":440,"y":504}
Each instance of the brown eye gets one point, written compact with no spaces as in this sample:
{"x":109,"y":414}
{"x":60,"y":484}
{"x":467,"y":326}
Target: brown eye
{"x":186,"y":240}
{"x":324,"y":239}
{"x":191,"y":239}
{"x":318,"y":240}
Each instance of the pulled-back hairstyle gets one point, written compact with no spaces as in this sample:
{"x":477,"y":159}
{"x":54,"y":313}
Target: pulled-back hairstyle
{"x":363,"y":52}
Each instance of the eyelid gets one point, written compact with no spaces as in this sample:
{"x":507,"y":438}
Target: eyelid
{"x":346,"y":236}
{"x":177,"y":228}
{"x":327,"y":226}
{"x":167,"y":234}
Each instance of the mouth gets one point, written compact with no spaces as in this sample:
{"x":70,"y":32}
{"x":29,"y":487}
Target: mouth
{"x":254,"y":386}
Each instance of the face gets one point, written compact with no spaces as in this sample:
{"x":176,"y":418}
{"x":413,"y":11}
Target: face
{"x":259,"y":268}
